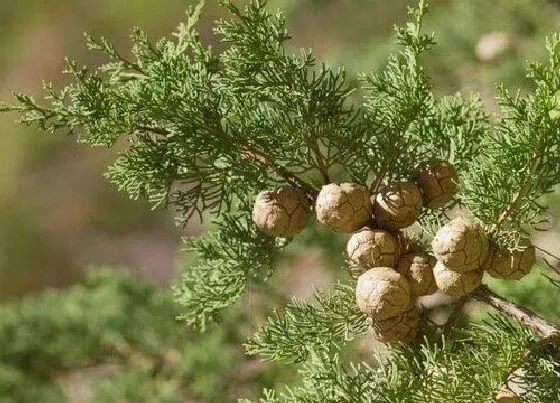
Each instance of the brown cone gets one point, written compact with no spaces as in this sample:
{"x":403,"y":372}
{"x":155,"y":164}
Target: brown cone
{"x":397,"y":205}
{"x":281,"y":212}
{"x":344,"y":207}
{"x":382,"y":293}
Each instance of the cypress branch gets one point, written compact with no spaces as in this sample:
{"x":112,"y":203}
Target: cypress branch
{"x":208,"y":130}
{"x":524,"y":315}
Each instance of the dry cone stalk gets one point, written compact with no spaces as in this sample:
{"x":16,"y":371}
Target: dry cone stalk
{"x":461,"y":245}
{"x":397,"y":205}
{"x":345,"y":207}
{"x":281,"y":212}
{"x":382,"y":293}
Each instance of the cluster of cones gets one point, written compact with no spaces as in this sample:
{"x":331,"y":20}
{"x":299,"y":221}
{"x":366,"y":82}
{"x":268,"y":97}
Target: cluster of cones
{"x":391,"y":273}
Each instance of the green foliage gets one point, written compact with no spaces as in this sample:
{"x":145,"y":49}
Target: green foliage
{"x":471,"y":368}
{"x":523,"y":154}
{"x":222,"y":126}
{"x":540,"y":379}
{"x":285,"y":104}
{"x":305,"y":327}
{"x":413,"y":126}
{"x":229,"y":258}
{"x":459,"y":25}
{"x":61,"y":331}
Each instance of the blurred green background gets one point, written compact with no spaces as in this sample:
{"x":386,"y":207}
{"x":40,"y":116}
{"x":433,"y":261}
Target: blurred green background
{"x":58,"y":215}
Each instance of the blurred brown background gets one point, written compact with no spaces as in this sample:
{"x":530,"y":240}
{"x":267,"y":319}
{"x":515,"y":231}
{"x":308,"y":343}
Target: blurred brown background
{"x":58,"y":215}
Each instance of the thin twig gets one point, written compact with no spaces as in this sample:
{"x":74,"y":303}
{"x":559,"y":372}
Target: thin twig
{"x":312,"y":140}
{"x":547,"y":253}
{"x":258,"y":156}
{"x":377,"y":181}
{"x":457,"y":309}
{"x":554,"y":268}
{"x":520,"y":194}
{"x":524,"y":315}
{"x":263,"y":158}
{"x":314,"y":144}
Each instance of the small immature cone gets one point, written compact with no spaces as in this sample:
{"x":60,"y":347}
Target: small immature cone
{"x":514,"y":264}
{"x":454,"y":283}
{"x":345,"y":207}
{"x":397,"y":205}
{"x":369,"y":248}
{"x":492,"y":46}
{"x":417,"y":268}
{"x":506,"y":395}
{"x":461,"y":245}
{"x":402,"y":328}
{"x":438,"y":182}
{"x":281,"y":212}
{"x":382,"y":293}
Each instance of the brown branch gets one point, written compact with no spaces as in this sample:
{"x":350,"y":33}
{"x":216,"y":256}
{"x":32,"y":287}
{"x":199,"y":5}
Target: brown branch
{"x":524,"y":315}
{"x":457,"y":309}
{"x":519,"y":195}
{"x":547,"y":253}
{"x":258,"y":156}
{"x":314,"y":145}
{"x":263,"y":158}
{"x":377,"y":181}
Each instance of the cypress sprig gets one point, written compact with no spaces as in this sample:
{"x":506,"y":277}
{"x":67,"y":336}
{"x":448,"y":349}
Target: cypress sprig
{"x":520,"y":163}
{"x":304,"y":327}
{"x":228,"y":259}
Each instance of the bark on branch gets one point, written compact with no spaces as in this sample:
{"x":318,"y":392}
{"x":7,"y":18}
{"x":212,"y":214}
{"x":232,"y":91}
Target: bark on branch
{"x":291,"y":178}
{"x":524,"y":315}
{"x":256,"y":155}
{"x":456,"y":311}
